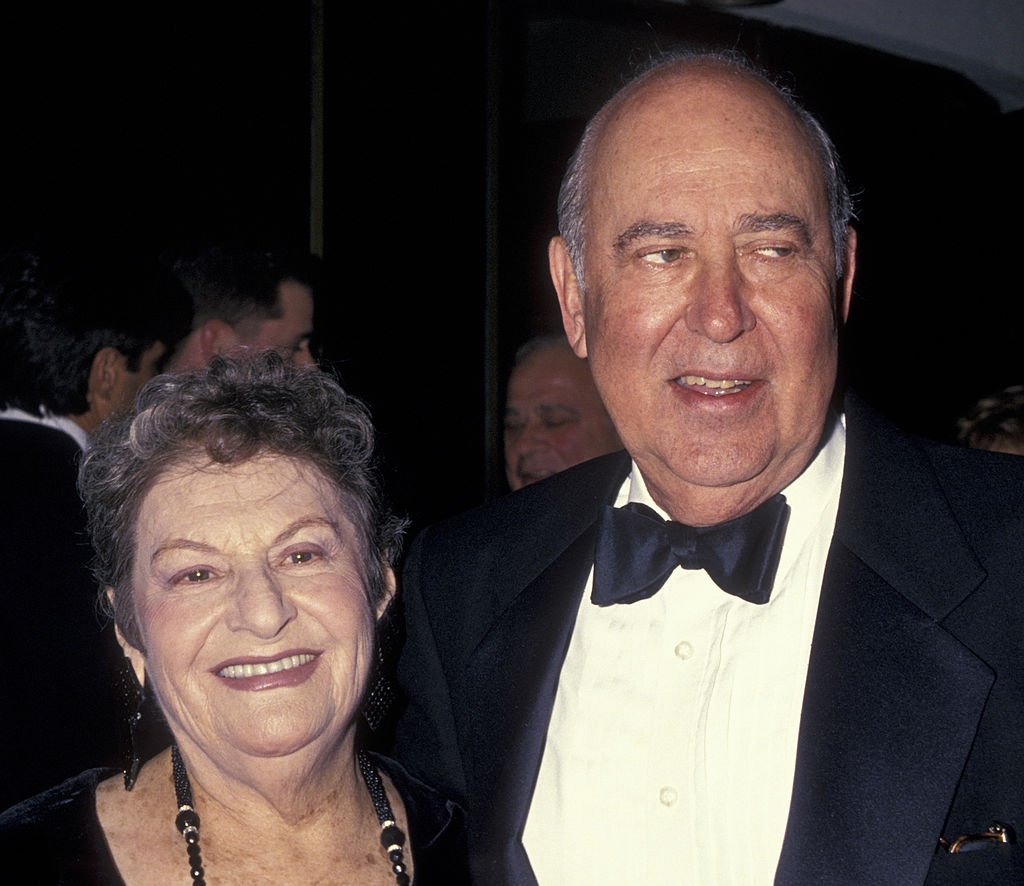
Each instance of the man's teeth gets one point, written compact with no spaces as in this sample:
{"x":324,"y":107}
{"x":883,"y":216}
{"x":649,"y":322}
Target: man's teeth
{"x":715,"y":386}
{"x":263,"y":668}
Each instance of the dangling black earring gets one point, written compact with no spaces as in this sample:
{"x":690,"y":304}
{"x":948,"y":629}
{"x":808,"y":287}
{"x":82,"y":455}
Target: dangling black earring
{"x":132,"y":697}
{"x":380,"y":698}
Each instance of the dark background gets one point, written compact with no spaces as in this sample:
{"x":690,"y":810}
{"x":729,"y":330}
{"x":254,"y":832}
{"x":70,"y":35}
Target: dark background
{"x":446,"y":129}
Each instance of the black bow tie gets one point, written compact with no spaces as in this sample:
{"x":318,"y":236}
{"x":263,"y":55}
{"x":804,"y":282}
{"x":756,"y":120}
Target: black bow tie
{"x":637,"y":551}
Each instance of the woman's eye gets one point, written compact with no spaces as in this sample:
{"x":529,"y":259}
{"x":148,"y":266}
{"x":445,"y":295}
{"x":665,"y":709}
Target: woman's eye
{"x":195,"y":576}
{"x":297,"y":558}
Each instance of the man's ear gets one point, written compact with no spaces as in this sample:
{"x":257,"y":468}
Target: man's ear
{"x":104,"y":385}
{"x":390,"y":584}
{"x":849,"y":268}
{"x":216,"y":337}
{"x":135,"y":656}
{"x":570,"y":299}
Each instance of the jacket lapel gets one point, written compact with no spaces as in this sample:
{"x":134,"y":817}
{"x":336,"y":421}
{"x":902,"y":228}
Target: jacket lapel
{"x":892,"y":700}
{"x":523,"y":653}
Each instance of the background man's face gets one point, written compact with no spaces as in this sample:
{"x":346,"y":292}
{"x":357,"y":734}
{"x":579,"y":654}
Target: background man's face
{"x":130,"y":383}
{"x":288,"y":334}
{"x":710,"y":313}
{"x":554,"y":418}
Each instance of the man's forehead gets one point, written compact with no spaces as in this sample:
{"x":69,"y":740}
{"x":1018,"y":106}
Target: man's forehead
{"x":549,"y":370}
{"x":728,"y":114}
{"x":713,"y":142}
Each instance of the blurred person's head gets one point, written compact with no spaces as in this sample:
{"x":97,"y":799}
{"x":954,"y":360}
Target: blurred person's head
{"x":246,"y":299}
{"x":81,"y":333}
{"x":554,"y":418}
{"x":996,"y":423}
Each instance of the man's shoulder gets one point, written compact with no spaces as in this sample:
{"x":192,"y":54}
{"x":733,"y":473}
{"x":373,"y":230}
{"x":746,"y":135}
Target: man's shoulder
{"x":967,"y":476}
{"x":908,"y":496}
{"x":39,"y":475}
{"x":560,"y":506}
{"x":59,"y":808}
{"x":36,"y":440}
{"x":474,"y":561}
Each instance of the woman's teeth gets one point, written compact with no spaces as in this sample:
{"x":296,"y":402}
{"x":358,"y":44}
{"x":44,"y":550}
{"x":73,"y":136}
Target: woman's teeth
{"x":263,"y":668}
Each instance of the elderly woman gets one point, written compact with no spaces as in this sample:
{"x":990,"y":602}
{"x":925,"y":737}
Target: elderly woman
{"x":245,"y":555}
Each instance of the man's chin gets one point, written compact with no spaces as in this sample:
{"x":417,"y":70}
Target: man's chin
{"x":535,"y":475}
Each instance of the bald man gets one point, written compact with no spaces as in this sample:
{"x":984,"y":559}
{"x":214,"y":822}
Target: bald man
{"x":554,"y":417}
{"x":769,"y":642}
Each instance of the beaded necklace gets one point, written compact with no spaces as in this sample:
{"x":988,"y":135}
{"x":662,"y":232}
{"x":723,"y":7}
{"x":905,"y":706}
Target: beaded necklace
{"x":187,"y":820}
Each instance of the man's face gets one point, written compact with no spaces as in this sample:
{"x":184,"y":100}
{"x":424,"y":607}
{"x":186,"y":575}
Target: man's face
{"x":710,"y":315}
{"x":554,"y":418}
{"x":128,"y":383}
{"x":288,"y":334}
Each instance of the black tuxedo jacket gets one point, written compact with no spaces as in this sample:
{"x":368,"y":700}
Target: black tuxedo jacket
{"x":913,"y":718}
{"x":58,"y":710}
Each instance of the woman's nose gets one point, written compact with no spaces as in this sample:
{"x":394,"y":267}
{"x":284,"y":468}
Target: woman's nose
{"x":261,"y":605}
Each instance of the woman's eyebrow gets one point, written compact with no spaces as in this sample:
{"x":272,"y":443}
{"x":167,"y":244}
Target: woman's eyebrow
{"x":304,"y":522}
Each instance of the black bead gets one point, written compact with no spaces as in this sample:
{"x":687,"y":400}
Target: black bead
{"x":402,"y":880}
{"x":194,"y":855}
{"x":392,"y":836}
{"x":395,"y":855}
{"x":185,"y":819}
{"x":398,"y":867}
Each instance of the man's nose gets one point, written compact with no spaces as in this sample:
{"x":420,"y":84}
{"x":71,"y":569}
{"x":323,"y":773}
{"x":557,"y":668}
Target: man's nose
{"x":261,"y":605}
{"x":534,"y":435}
{"x":717,"y":306}
{"x":303,"y":356}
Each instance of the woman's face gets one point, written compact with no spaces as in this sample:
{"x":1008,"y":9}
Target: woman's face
{"x":252,"y":607}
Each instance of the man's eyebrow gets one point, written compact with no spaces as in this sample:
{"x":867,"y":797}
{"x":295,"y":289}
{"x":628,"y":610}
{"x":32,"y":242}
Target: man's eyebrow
{"x":776,"y":221}
{"x":644,"y":229}
{"x":549,"y":409}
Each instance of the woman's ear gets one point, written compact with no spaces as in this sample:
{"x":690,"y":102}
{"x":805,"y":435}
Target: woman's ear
{"x":389,"y":591}
{"x":135,"y":656}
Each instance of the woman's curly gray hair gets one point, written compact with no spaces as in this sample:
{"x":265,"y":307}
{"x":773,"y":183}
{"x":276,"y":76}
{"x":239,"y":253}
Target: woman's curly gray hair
{"x":236,"y":410}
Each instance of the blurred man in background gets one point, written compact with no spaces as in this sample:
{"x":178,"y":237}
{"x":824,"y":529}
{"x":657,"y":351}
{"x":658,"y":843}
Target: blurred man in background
{"x":246,"y":298}
{"x":79,"y":337}
{"x":554,"y":417}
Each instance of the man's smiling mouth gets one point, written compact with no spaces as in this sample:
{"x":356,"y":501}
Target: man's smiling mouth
{"x":260,"y":669}
{"x":712,"y":387}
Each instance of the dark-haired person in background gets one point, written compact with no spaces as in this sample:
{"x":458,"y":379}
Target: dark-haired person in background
{"x":246,"y":298}
{"x":79,"y":336}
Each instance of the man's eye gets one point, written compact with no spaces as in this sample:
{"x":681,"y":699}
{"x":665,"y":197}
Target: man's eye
{"x":773,"y":251}
{"x":556,"y":422}
{"x":663,"y":256}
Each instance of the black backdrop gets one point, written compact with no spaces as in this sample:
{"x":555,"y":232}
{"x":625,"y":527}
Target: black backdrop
{"x":446,"y":130}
